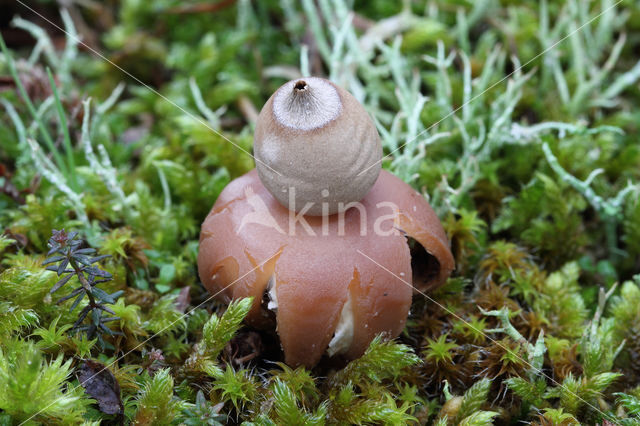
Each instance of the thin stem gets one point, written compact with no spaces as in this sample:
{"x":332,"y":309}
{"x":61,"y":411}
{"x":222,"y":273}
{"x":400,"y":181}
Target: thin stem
{"x":83,"y":281}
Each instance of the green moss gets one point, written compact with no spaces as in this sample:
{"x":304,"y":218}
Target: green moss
{"x":559,"y":301}
{"x":156,"y":403}
{"x":35,"y":390}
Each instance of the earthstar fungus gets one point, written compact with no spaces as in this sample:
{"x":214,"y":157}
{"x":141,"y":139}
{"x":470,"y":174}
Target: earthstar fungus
{"x":325,"y":295}
{"x":305,"y":272}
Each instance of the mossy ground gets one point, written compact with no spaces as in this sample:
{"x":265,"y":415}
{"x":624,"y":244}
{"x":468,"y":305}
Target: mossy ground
{"x":531,"y":159}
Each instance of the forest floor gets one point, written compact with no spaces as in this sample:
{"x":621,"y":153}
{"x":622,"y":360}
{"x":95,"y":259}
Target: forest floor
{"x":122,"y":121}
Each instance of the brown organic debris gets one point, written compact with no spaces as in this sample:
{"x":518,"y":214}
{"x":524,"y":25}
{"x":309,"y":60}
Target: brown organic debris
{"x":101,"y":385}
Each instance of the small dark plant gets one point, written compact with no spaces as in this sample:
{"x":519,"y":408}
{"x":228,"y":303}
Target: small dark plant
{"x":70,"y":260}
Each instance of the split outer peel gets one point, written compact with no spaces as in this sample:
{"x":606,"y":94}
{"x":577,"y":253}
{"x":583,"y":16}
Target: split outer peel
{"x":316,"y":270}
